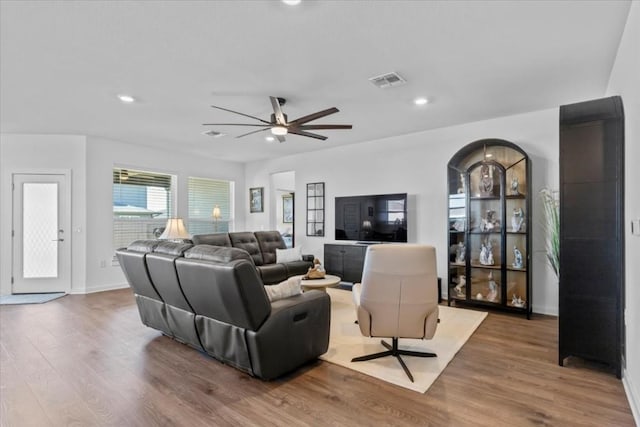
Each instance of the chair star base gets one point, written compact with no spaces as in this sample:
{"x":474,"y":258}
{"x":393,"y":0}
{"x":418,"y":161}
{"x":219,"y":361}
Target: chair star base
{"x":393,"y":350}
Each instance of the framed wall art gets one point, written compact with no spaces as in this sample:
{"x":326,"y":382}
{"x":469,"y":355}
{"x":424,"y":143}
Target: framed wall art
{"x":287,"y":208}
{"x":256,"y":199}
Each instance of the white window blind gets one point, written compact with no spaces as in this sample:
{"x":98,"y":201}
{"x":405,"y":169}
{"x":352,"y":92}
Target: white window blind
{"x":142,"y":202}
{"x":204,"y":195}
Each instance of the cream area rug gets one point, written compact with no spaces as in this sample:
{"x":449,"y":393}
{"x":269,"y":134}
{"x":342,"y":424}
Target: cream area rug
{"x":346,"y":342}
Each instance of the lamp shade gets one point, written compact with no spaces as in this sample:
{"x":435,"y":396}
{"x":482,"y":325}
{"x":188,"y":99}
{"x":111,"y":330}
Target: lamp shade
{"x":216,"y":214}
{"x":175,"y":230}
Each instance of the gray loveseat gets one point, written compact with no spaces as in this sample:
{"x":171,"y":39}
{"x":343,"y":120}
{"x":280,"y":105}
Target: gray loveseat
{"x":212,"y":298}
{"x":261,"y":245}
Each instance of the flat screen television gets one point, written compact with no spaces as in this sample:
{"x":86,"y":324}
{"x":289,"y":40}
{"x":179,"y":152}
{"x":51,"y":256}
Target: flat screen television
{"x":373,"y":218}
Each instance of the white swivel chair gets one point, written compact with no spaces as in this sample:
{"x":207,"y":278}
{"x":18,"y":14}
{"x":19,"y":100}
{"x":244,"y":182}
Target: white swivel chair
{"x":398,"y":297}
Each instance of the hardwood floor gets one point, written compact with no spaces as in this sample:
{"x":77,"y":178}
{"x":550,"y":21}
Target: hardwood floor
{"x":87,"y":360}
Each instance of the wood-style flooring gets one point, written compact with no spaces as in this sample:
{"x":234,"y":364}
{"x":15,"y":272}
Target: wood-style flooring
{"x":87,"y":360}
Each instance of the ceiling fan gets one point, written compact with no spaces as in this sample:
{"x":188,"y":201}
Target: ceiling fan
{"x":279,"y":125}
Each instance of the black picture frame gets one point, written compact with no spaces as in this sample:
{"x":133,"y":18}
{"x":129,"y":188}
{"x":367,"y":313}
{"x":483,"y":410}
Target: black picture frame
{"x":256,"y":199}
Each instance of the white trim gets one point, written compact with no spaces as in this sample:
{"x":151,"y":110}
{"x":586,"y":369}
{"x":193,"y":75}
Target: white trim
{"x":546,"y":310}
{"x":632,"y":396}
{"x":100,"y":289}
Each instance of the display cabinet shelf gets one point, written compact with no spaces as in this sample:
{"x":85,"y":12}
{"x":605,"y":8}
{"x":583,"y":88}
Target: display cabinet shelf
{"x":490,"y":227}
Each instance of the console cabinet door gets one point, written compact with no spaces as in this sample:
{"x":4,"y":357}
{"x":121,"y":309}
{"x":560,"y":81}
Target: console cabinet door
{"x":353,"y":263}
{"x":346,"y":261}
{"x":333,"y":260}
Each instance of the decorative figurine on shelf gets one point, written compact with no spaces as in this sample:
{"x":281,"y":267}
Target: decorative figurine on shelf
{"x":516,"y":301}
{"x":514,"y":186}
{"x":486,"y":181}
{"x":493,"y":288}
{"x":490,"y":222}
{"x":315,"y":272}
{"x":517,"y":258}
{"x":517,"y":220}
{"x":462,"y":282}
{"x":461,"y":251}
{"x":458,"y":225}
{"x":462,"y":188}
{"x":486,"y":256}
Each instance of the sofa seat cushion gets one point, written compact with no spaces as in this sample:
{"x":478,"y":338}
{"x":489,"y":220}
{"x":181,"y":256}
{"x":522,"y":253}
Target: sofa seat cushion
{"x":247,"y":240}
{"x":272,"y":273}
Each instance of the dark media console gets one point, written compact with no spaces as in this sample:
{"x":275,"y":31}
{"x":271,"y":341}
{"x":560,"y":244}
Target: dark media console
{"x":345,"y":261}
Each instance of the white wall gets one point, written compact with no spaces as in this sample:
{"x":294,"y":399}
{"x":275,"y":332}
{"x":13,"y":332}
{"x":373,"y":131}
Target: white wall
{"x":625,"y":82}
{"x":417,"y":164}
{"x":91,"y":161}
{"x":41,"y":152}
{"x":102,"y":156}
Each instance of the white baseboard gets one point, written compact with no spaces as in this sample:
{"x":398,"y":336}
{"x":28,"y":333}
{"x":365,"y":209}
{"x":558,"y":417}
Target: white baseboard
{"x":100,"y":289}
{"x":632,"y":396}
{"x":550,"y":311}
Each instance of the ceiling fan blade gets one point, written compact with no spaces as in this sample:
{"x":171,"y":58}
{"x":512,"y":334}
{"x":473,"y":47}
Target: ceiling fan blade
{"x":309,"y":134}
{"x":277,"y":111}
{"x":231,"y":124}
{"x":280,"y":138}
{"x":242,"y":114}
{"x":310,"y":127}
{"x":314,"y":116}
{"x":254,"y":131}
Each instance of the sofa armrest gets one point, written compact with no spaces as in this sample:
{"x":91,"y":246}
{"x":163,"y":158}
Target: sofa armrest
{"x":308,"y":257}
{"x":296,"y":332}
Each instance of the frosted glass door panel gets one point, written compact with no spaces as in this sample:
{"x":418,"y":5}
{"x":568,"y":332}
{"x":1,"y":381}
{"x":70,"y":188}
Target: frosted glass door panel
{"x":40,"y":222}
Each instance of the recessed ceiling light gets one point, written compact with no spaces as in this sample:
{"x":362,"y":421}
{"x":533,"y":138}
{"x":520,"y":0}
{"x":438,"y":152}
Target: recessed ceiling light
{"x":128,"y":99}
{"x":291,"y":2}
{"x":420,"y":101}
{"x":269,"y":139}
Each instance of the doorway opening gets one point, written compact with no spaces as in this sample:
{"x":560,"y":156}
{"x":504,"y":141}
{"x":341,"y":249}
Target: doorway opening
{"x":283,"y":205}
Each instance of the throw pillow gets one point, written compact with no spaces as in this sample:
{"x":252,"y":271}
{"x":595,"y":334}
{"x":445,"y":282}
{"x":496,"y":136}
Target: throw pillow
{"x":286,"y":289}
{"x":288,"y":255}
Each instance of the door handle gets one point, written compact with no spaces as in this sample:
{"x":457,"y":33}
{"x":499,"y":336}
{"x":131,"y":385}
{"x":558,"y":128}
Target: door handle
{"x":58,"y":240}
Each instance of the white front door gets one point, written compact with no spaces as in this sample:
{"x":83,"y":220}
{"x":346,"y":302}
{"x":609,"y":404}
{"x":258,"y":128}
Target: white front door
{"x":41,"y":233}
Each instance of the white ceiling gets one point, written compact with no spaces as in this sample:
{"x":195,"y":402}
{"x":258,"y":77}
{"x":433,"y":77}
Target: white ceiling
{"x":62,"y":64}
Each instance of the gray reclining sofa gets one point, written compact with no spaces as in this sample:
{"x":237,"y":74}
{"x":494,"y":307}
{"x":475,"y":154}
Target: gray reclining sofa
{"x":213,"y":299}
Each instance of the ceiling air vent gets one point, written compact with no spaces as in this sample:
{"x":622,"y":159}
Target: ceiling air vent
{"x":388,"y":80}
{"x":214,"y":134}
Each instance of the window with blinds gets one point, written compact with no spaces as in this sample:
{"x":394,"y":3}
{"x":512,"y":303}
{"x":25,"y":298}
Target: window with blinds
{"x":142,"y":202}
{"x":210,"y":206}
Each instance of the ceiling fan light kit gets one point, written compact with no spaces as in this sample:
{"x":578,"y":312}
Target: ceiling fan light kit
{"x":280,"y":124}
{"x":279,"y":130}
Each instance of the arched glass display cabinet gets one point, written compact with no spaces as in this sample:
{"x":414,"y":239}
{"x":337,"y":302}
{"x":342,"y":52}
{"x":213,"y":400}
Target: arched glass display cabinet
{"x":489,"y":220}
